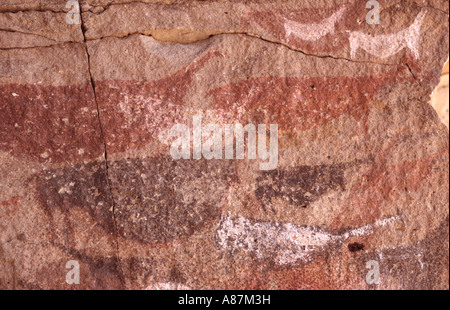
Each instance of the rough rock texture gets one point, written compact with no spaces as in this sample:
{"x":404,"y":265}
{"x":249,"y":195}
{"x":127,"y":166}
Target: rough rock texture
{"x":85,"y":166}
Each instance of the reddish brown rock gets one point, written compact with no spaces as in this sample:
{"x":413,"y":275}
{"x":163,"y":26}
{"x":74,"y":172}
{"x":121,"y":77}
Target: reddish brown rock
{"x":86,"y":172}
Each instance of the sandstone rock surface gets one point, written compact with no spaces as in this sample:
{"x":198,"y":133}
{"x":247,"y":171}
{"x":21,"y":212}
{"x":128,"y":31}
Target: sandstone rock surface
{"x":86,"y":172}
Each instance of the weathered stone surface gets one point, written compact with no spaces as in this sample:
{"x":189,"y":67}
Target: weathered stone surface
{"x":32,"y":29}
{"x":86,"y":172}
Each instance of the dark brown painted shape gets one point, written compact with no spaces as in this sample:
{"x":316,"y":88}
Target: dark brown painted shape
{"x":168,"y":199}
{"x":171,"y":199}
{"x":82,"y":186}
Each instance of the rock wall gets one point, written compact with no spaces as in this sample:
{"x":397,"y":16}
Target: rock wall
{"x":86,"y":172}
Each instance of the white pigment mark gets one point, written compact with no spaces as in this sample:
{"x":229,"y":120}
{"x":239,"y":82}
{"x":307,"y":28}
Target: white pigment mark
{"x":383,"y":46}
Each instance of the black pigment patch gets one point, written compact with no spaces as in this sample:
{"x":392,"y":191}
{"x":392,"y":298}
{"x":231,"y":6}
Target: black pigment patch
{"x":355,"y":247}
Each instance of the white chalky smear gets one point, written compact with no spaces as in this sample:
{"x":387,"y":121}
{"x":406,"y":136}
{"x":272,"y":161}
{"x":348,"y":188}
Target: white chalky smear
{"x":288,"y":242}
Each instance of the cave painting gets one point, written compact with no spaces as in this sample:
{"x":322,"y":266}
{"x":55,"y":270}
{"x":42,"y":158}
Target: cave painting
{"x":284,"y":243}
{"x":383,"y":46}
{"x":302,"y":34}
